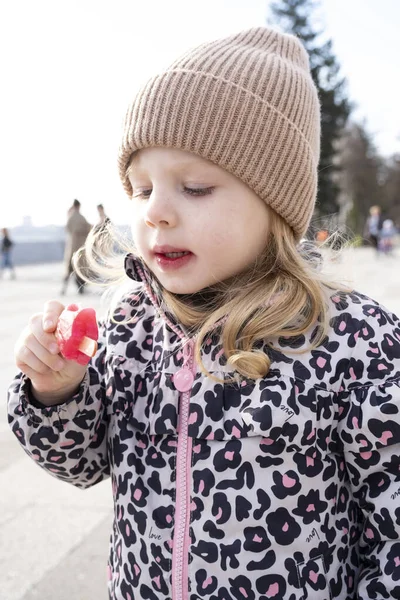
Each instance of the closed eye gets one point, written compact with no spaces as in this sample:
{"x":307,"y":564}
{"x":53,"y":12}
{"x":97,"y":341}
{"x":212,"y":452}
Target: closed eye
{"x":198,"y":191}
{"x":142,"y":194}
{"x":187,"y":190}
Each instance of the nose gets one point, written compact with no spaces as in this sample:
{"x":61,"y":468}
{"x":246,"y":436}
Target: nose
{"x":159,"y":211}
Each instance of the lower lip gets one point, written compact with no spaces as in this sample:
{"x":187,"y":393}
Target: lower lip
{"x":173,"y":263}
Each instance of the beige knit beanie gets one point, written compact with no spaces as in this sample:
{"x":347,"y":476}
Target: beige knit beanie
{"x":247,"y":103}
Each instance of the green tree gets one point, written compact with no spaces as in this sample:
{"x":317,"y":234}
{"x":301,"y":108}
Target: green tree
{"x":295,"y":16}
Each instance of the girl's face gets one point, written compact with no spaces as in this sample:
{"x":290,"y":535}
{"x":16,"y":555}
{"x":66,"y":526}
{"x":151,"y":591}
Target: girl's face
{"x":185,"y":204}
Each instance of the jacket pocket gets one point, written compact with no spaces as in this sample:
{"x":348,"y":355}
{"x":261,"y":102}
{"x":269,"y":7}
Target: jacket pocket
{"x":313,"y":579}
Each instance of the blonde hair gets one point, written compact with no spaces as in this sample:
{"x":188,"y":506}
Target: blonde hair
{"x":283,"y":293}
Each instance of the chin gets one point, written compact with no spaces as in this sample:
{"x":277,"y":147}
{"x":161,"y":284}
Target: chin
{"x":180,"y":289}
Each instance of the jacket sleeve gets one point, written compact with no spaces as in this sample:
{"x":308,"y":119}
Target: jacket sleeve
{"x":369,"y":429}
{"x":68,"y":440}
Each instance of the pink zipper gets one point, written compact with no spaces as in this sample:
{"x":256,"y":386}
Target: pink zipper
{"x":181,"y":542}
{"x":180,"y":551}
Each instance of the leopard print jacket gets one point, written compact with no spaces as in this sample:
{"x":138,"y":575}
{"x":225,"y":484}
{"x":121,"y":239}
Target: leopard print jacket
{"x":285,"y":487}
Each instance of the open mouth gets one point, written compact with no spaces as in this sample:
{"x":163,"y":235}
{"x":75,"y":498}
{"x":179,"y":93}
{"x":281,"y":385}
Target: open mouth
{"x":172,"y":259}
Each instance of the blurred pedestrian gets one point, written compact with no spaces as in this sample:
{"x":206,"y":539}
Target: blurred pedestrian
{"x":386,"y":237}
{"x":103,"y":221}
{"x":322,"y":236}
{"x":6,"y":252}
{"x":77,"y":231}
{"x":373,"y":226}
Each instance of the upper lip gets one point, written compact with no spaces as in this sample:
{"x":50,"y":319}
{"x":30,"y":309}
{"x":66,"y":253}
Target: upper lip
{"x":167,"y":249}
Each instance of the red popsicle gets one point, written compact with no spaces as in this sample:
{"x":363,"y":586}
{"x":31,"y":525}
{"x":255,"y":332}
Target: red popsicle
{"x":77,"y":333}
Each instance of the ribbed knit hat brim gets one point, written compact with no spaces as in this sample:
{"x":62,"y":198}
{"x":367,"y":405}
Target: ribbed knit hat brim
{"x":247,"y":103}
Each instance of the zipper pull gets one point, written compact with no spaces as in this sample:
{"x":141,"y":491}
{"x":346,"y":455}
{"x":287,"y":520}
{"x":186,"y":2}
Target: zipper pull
{"x":184,"y":378}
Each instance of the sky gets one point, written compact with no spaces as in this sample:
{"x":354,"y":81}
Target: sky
{"x":70,"y":68}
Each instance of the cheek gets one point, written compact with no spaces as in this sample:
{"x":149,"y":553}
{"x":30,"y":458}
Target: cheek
{"x":137,"y":229}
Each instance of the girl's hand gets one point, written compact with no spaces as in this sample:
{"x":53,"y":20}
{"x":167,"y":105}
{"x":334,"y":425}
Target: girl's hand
{"x":54,"y":379}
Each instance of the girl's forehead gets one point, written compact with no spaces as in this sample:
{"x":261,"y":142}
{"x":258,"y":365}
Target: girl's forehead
{"x":167,"y":158}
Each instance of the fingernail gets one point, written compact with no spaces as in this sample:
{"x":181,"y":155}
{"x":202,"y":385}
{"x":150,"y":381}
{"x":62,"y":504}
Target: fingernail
{"x":53,"y":348}
{"x":48,"y":323}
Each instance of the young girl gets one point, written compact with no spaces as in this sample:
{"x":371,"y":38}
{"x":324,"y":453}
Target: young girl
{"x":247,"y":413}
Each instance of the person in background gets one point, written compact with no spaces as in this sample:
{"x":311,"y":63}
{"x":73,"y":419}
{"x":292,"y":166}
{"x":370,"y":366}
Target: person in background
{"x":77,"y":231}
{"x":6,"y":250}
{"x":373,"y":226}
{"x":386,"y":237}
{"x":103,"y":222}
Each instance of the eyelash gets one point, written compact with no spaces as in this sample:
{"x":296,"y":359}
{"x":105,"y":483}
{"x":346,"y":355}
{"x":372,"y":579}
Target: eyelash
{"x":196,"y":192}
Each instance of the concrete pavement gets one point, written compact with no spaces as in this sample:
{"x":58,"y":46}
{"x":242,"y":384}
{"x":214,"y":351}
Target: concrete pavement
{"x":54,"y":537}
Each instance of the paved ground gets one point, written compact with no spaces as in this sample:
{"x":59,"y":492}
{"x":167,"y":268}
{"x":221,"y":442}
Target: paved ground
{"x":54,"y":538}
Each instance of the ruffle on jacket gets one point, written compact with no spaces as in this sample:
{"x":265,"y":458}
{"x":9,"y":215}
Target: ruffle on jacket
{"x":369,"y":418}
{"x":273,"y":407}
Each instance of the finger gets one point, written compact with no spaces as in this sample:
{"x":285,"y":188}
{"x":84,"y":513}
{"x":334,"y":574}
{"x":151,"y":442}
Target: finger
{"x":26,"y":358}
{"x":52,"y":311}
{"x":55,"y":363}
{"x":47,"y":340}
{"x":30,"y":373}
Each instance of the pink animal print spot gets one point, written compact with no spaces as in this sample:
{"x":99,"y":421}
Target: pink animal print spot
{"x":355,"y":423}
{"x":381,"y":367}
{"x":321,"y":362}
{"x":369,"y":533}
{"x":229,"y":455}
{"x":352,"y":374}
{"x":386,"y":435}
{"x":287,"y":481}
{"x":235,"y":432}
{"x":365,"y":455}
{"x":243,"y":592}
{"x":136,"y":569}
{"x":168,"y":518}
{"x":397,"y":561}
{"x":342,"y":326}
{"x":285,"y":527}
{"x":310,"y":461}
{"x":266,"y":442}
{"x":156,"y":581}
{"x":257,"y":538}
{"x":207,"y":582}
{"x":137,"y":494}
{"x":310,"y":508}
{"x":272,"y":591}
{"x":193,"y":418}
{"x":313,"y":576}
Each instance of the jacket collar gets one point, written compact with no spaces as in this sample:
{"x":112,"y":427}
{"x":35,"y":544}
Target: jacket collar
{"x":136,"y":269}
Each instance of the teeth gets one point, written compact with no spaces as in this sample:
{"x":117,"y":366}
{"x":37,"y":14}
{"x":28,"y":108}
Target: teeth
{"x":175,"y":254}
